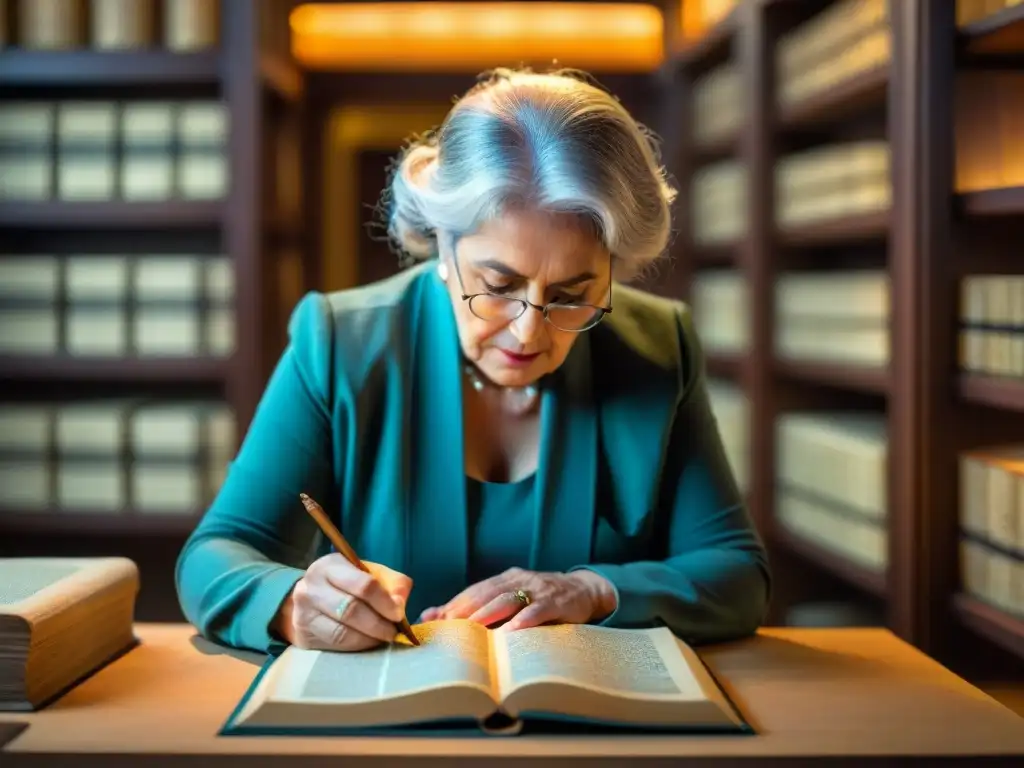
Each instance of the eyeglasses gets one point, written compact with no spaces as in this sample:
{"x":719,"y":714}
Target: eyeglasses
{"x":574,"y":318}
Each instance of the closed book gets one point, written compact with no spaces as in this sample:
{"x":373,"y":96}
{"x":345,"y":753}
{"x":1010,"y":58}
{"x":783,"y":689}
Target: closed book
{"x":61,"y":619}
{"x":86,"y":168}
{"x":219,"y":333}
{"x":147,"y":163}
{"x":51,"y":24}
{"x":30,"y":331}
{"x":26,"y":131}
{"x":25,"y":467}
{"x":121,"y":24}
{"x":191,"y":25}
{"x":31,"y":280}
{"x":96,"y":331}
{"x":167,"y":331}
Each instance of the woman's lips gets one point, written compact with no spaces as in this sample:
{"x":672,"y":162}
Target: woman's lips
{"x":519,"y":361}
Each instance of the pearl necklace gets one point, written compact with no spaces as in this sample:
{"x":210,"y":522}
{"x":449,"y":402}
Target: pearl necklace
{"x":521,"y":399}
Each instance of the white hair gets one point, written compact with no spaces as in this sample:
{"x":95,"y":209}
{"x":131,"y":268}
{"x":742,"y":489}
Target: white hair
{"x":554,"y":141}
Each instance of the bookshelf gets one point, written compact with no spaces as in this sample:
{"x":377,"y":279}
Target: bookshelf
{"x":883,"y":84}
{"x":983,"y":75}
{"x":197,"y":246}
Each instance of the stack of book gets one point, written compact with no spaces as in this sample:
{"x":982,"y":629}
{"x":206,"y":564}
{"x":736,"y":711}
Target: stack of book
{"x":846,"y":39}
{"x":832,"y":181}
{"x":721,"y":310}
{"x":101,"y":150}
{"x":992,"y":526}
{"x":117,"y":306}
{"x":718,"y":104}
{"x":832,"y":483}
{"x":186,"y":25}
{"x":61,"y":619}
{"x":111,"y":456}
{"x":839,"y":317}
{"x":732,"y":411}
{"x":992,"y":325}
{"x":719,"y":203}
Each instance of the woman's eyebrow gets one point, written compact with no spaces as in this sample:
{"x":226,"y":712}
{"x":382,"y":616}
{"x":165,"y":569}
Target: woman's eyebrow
{"x":507,"y":271}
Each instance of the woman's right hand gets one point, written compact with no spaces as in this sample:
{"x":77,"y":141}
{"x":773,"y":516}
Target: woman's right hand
{"x":337,"y":607}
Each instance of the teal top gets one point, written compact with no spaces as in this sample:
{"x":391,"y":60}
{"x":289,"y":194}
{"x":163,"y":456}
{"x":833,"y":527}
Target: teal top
{"x":501,"y":526}
{"x":363,"y":412}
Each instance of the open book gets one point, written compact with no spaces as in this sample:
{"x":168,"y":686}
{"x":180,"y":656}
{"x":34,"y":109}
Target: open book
{"x":464,"y":673}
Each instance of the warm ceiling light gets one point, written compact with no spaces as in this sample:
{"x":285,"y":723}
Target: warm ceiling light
{"x":622,"y":37}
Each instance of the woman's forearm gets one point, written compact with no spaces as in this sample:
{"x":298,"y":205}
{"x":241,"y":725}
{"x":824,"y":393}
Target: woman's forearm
{"x":231,"y":592}
{"x":706,"y":595}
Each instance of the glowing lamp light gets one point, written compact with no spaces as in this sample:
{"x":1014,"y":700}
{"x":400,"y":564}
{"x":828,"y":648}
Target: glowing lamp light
{"x":455,"y":37}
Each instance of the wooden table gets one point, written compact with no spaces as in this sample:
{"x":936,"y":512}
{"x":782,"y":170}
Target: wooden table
{"x":841,"y":694}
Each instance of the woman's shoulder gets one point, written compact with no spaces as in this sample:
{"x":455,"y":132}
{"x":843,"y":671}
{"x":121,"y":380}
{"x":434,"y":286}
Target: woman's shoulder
{"x":652,"y":330}
{"x":341,"y":333}
{"x":353,"y":311}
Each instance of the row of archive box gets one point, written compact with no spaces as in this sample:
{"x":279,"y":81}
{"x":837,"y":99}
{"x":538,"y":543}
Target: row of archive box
{"x":826,"y":183}
{"x":109,"y":455}
{"x":844,"y":316}
{"x":831,"y":475}
{"x":105,"y":25}
{"x":992,"y":526}
{"x":831,"y":490}
{"x":104,"y":150}
{"x":117,"y":306}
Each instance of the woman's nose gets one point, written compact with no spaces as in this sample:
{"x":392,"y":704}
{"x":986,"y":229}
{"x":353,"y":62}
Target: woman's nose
{"x":528,"y":326}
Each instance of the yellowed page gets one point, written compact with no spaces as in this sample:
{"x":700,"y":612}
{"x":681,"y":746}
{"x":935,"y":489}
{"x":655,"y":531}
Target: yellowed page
{"x":37,"y":588}
{"x":452,"y":652}
{"x":643,"y":677}
{"x":622,"y":662}
{"x":388,"y":685}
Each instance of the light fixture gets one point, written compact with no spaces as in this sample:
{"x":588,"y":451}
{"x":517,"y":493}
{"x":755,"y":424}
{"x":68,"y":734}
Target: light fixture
{"x":460,"y":37}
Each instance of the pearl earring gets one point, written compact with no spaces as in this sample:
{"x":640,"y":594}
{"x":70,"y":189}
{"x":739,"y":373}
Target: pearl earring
{"x":442,"y":270}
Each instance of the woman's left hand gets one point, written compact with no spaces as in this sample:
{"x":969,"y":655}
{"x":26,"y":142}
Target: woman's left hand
{"x":578,"y":597}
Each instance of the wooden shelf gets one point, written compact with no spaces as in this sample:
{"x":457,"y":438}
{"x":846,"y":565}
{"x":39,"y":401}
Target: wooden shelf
{"x":867,"y":226}
{"x":60,"y":522}
{"x":718,"y":255}
{"x":992,"y":391}
{"x":832,"y":562}
{"x":719,"y":148}
{"x":1000,"y":33}
{"x":864,"y":90}
{"x":991,"y":623}
{"x":84,"y":369}
{"x":836,"y":375}
{"x":97,"y":69}
{"x":1008,"y":201}
{"x":111,"y":214}
{"x":727,"y":366}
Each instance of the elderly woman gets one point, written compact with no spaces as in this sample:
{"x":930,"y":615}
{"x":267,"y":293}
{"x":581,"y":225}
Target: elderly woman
{"x":509,"y":433}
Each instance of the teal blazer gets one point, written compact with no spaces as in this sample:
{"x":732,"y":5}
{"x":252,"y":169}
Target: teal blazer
{"x":363,"y":413}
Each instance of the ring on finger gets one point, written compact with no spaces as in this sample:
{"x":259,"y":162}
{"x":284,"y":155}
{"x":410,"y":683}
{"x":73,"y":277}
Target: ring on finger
{"x":342,"y":607}
{"x":522,"y":597}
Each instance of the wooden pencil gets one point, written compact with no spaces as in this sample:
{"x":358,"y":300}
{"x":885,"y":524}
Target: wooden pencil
{"x":334,"y":535}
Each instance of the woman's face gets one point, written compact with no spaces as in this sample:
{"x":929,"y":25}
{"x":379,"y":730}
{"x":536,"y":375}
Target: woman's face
{"x":541,"y":257}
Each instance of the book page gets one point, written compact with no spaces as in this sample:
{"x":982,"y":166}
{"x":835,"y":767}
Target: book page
{"x":20,"y":579}
{"x":42,"y":587}
{"x":451,"y":653}
{"x":621,"y":662}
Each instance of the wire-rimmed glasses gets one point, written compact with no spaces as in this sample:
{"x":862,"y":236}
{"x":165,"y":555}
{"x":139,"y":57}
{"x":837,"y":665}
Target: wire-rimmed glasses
{"x":574,"y":318}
